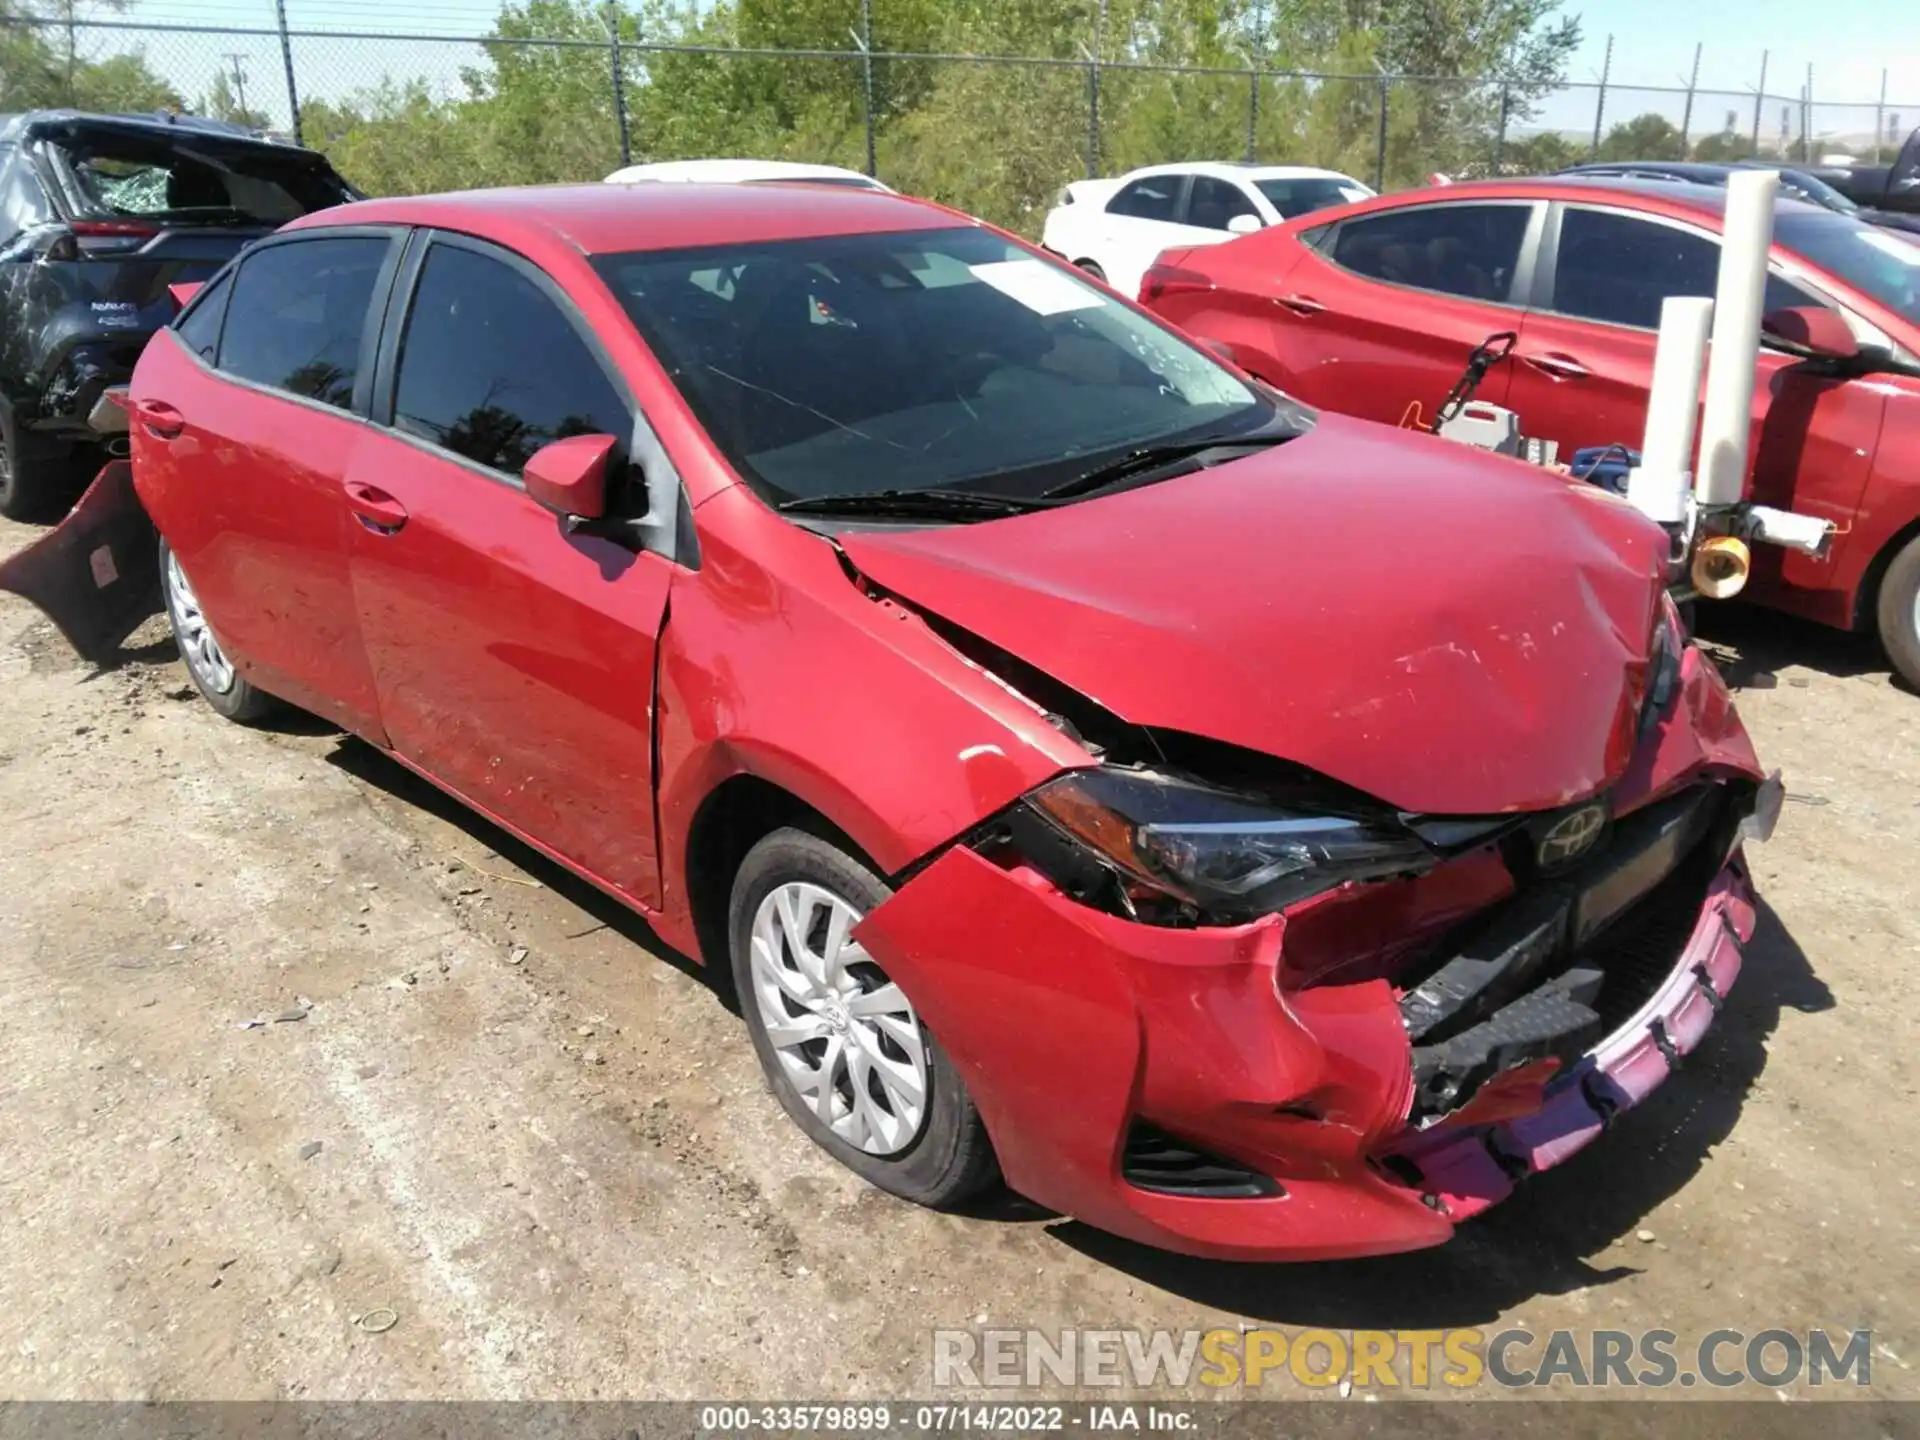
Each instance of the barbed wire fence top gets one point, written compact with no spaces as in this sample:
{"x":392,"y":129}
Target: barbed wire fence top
{"x":994,"y":134}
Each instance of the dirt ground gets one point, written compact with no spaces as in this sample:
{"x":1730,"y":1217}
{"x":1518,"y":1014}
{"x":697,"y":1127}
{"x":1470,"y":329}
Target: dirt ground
{"x":540,"y":1141}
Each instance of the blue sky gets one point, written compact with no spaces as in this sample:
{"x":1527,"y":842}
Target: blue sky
{"x":1848,"y":42}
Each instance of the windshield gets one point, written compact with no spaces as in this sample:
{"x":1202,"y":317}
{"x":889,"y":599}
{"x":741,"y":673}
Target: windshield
{"x":1298,"y":197}
{"x":132,"y":177}
{"x":857,"y":364}
{"x":1877,"y":263}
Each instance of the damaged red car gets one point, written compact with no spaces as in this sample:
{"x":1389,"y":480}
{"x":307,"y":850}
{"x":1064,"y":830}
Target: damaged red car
{"x":1261,"y":834}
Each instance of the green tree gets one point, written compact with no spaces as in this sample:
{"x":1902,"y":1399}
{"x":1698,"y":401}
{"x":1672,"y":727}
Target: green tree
{"x":1645,"y":137}
{"x":1542,"y":154}
{"x":1723,"y":148}
{"x":43,"y":63}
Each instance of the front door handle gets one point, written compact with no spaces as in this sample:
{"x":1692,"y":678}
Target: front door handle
{"x":1300,"y":304}
{"x":375,"y":508}
{"x":1561,"y":367}
{"x":163,"y":422}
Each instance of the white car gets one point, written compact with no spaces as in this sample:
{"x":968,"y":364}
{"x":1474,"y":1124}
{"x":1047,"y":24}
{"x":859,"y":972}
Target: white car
{"x":744,"y":172}
{"x":1115,"y":228}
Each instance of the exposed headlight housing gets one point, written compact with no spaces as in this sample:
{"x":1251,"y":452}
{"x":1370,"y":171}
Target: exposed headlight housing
{"x":1665,"y":653}
{"x":1212,"y":853}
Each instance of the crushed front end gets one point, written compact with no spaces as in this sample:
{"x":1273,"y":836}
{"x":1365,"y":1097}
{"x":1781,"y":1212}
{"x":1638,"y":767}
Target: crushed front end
{"x":1354,"y":1072}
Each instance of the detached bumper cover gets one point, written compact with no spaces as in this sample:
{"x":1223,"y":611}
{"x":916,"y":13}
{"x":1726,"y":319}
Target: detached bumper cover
{"x":1471,"y":1168}
{"x":1067,"y":1025}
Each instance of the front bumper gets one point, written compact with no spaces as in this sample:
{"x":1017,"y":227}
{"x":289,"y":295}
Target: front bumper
{"x":1073,"y":1029}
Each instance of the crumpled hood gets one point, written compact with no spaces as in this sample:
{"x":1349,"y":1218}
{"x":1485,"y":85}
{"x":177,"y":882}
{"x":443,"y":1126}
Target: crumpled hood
{"x":1451,"y":632}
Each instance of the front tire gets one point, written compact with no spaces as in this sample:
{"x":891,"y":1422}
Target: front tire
{"x":207,"y":664}
{"x":840,"y":1043}
{"x":1899,"y":615}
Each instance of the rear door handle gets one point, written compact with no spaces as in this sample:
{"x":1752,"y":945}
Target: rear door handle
{"x":1300,"y":304}
{"x":375,"y":508}
{"x":1561,"y":367}
{"x":161,"y":419}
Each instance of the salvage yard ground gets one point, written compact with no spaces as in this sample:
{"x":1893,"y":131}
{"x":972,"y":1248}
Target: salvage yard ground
{"x":485,"y":1099}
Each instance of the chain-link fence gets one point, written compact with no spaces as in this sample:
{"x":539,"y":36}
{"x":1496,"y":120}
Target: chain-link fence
{"x":997,"y":135}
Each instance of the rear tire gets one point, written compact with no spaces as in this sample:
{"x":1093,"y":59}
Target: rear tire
{"x":36,"y":482}
{"x":1092,"y":267}
{"x":207,"y":664}
{"x":828,"y":1025}
{"x":1899,"y":612}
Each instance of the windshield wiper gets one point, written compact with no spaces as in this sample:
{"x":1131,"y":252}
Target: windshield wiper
{"x":1152,"y":457}
{"x":934,"y":503}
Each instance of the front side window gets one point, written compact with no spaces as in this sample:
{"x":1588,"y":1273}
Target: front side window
{"x":1152,"y":198}
{"x":1619,"y":268}
{"x":1213,"y":202}
{"x":918,"y":360}
{"x":1882,"y":264}
{"x":1466,"y":250}
{"x":296,"y":314}
{"x":492,"y":370}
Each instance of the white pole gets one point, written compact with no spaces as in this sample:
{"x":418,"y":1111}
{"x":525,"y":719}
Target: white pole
{"x":1726,"y":426}
{"x":1658,"y":486}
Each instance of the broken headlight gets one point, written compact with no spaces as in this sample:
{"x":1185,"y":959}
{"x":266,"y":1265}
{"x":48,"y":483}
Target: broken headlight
{"x":1665,"y":656}
{"x":1213,"y":853}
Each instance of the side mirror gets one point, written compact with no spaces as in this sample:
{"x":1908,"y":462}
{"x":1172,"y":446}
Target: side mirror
{"x":1244,"y":224}
{"x":569,"y":476}
{"x":1813,"y":328}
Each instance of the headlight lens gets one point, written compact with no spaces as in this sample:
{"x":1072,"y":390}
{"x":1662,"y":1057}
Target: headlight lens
{"x":1228,"y":855}
{"x":1668,"y":647}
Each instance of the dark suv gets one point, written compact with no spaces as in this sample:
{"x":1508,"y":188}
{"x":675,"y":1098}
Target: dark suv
{"x":99,"y":214}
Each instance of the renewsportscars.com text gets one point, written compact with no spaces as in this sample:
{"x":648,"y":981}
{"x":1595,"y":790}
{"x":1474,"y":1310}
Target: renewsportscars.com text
{"x":1457,"y":1359}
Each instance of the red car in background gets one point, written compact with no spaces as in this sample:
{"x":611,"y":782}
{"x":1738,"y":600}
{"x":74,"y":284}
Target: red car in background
{"x":977,"y":672}
{"x":1372,"y":310}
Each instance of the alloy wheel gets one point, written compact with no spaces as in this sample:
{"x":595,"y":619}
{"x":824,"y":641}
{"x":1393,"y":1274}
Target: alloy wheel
{"x":846,"y":1038}
{"x":197,"y":644}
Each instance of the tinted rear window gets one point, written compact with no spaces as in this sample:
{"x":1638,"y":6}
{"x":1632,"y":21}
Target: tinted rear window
{"x":296,"y":315}
{"x":1467,"y":250}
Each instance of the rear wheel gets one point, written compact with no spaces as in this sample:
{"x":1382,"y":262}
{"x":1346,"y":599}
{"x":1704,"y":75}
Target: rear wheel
{"x":1899,"y":615}
{"x":35,"y":478}
{"x":209,"y":668}
{"x":1092,"y":267}
{"x":840,"y":1043}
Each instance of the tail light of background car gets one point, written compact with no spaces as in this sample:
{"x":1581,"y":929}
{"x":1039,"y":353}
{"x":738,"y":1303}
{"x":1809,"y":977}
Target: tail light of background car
{"x":1161,"y":281}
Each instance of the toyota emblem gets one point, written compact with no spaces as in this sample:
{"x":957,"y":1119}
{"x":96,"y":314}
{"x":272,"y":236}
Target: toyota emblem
{"x":1571,"y":836}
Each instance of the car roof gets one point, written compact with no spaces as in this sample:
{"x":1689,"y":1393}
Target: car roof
{"x":724,"y":170}
{"x":1701,"y":169}
{"x":1673,"y":197}
{"x":34,"y":123}
{"x":607,"y":219}
{"x":1237,"y":170}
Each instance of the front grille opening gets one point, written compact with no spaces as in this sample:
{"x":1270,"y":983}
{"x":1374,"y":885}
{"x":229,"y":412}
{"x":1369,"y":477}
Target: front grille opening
{"x":1156,"y":1161}
{"x":1638,"y":951}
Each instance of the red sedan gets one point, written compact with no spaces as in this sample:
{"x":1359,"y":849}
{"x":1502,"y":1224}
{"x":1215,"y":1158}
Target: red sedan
{"x":1374,"y":308}
{"x":988,"y":680}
